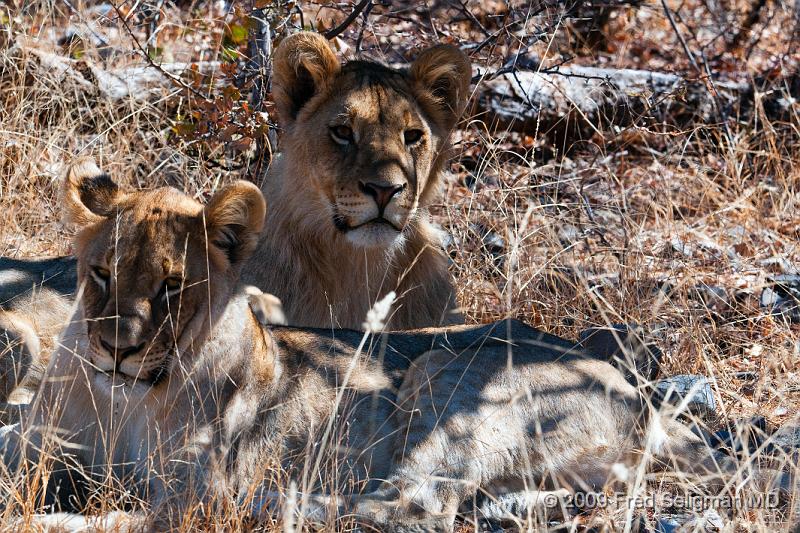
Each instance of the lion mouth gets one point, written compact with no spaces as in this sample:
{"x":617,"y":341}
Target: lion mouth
{"x":116,"y":378}
{"x":152,"y":378}
{"x":342,"y":225}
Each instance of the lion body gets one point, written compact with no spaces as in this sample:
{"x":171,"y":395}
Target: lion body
{"x":166,"y":385}
{"x":404,"y":434}
{"x":330,"y":250}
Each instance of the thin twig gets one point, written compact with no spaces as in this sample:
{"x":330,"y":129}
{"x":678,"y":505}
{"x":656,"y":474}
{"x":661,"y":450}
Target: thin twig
{"x":363,"y":27}
{"x":680,"y":37}
{"x":706,"y":70}
{"x":747,"y":25}
{"x":100,"y":39}
{"x":155,"y":23}
{"x":471,"y":16}
{"x":260,"y":50}
{"x":335,"y":32}
{"x":174,"y":79}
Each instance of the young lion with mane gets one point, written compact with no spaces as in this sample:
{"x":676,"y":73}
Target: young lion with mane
{"x":168,"y":384}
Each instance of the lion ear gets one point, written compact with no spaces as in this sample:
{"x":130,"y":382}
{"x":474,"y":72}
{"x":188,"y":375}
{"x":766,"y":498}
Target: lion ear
{"x":441,"y":75}
{"x":304,"y":65}
{"x":89,"y":194}
{"x":234,"y":218}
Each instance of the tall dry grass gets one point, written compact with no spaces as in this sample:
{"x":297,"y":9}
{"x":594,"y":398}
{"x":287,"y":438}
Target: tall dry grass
{"x":624,"y":227}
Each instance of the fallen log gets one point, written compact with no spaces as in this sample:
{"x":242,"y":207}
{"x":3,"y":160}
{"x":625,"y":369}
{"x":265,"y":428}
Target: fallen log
{"x":565,"y":104}
{"x":576,"y":102}
{"x":139,"y":82}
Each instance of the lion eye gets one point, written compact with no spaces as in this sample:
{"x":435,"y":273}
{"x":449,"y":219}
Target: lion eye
{"x":342,"y":134}
{"x":101,"y":275}
{"x":412,"y":136}
{"x":172,"y":285}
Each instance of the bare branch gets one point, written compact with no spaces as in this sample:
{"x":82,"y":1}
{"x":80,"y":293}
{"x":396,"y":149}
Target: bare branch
{"x":175,"y":80}
{"x":685,"y":46}
{"x":338,"y":30}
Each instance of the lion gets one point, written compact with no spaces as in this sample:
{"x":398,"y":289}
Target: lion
{"x":362,"y":152}
{"x":367,"y":143}
{"x":169,"y":384}
{"x":36,"y":298}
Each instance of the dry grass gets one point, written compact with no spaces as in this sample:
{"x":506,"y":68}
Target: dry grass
{"x":579,"y":235}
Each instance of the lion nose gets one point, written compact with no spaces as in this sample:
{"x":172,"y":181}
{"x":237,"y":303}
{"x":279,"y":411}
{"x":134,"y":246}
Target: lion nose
{"x":119,"y":352}
{"x":382,"y":194}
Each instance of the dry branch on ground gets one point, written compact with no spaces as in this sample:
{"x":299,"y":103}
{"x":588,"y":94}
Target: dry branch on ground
{"x":135,"y":82}
{"x":575,"y":99}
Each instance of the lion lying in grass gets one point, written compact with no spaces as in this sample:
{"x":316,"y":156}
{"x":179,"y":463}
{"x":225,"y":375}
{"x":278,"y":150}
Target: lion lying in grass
{"x":362,"y":152}
{"x":169,"y":384}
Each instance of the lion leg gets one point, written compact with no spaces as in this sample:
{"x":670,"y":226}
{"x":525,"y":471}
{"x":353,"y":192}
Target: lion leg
{"x":28,"y":334}
{"x":523,"y":503}
{"x":186,"y":477}
{"x":116,"y":521}
{"x":266,"y":307}
{"x":48,"y":475}
{"x":444,"y":450}
{"x":427,"y":484}
{"x":19,"y":351}
{"x":676,"y":449}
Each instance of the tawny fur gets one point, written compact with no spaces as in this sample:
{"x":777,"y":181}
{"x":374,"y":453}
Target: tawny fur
{"x":418,"y":423}
{"x":323,"y":278}
{"x":34,"y":312}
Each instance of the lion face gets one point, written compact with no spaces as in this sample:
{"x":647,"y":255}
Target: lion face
{"x":153,"y":266}
{"x":367,"y":140}
{"x":378,"y":160}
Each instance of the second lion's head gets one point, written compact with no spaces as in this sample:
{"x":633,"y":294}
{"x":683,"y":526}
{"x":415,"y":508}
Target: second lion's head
{"x":156,"y":268}
{"x":366,"y":142}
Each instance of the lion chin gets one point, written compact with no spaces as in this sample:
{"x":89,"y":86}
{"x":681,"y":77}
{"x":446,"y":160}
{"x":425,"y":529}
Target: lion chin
{"x":375,"y":234}
{"x":112,"y":383}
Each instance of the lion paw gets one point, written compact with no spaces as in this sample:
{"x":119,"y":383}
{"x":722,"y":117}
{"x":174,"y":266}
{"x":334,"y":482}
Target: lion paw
{"x":266,"y":307}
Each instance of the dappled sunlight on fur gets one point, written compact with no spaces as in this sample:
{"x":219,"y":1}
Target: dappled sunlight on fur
{"x":396,"y":430}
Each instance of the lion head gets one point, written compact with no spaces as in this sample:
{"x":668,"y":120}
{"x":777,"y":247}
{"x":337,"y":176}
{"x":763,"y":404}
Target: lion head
{"x":367,"y":141}
{"x":154,"y":266}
